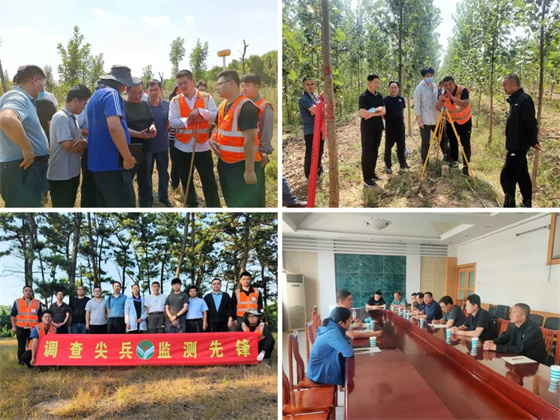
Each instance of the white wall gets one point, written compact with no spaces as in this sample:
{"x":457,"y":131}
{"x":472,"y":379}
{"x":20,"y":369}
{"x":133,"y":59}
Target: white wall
{"x":512,"y":269}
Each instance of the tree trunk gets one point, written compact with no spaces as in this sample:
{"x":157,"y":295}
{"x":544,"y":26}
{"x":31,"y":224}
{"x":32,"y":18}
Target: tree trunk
{"x":478,"y":113}
{"x":540,"y":99}
{"x":75,"y":246}
{"x":409,"y":113}
{"x":183,"y":246}
{"x":401,"y":11}
{"x":329,"y":103}
{"x":243,"y":56}
{"x":246,"y":229}
{"x":193,"y":228}
{"x":93,"y":250}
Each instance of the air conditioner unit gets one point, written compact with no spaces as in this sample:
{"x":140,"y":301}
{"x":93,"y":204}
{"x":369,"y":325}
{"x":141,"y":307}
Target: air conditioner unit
{"x":294,"y":301}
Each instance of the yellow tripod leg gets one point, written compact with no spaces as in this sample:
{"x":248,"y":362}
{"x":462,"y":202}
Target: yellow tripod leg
{"x":430,"y":147}
{"x":471,"y":172}
{"x":442,"y":125}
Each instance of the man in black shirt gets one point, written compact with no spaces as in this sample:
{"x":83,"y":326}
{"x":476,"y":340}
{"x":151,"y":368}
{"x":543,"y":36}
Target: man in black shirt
{"x":522,"y":336}
{"x":372,"y":109}
{"x":78,"y":306}
{"x":479,"y":322}
{"x":376,"y":302}
{"x":141,"y":124}
{"x":456,"y":100}
{"x":394,"y":119}
{"x":521,"y":134}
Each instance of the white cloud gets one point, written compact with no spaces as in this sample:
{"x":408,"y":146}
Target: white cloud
{"x":156,"y":22}
{"x":99,"y":13}
{"x":189,"y":18}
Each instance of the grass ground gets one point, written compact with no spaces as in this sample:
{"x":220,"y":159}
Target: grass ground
{"x":406,"y":190}
{"x":226,"y":392}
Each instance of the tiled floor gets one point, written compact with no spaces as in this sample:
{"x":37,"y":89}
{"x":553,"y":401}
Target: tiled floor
{"x":303,"y":352}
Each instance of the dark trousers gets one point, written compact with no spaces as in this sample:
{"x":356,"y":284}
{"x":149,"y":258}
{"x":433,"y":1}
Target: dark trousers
{"x":87,"y":190}
{"x":26,"y":358}
{"x":516,"y":171}
{"x":426,"y":135}
{"x":97,"y":329}
{"x":464,"y":132}
{"x":78,"y":328}
{"x":22,"y":188}
{"x":262,"y":185}
{"x":391,"y":138}
{"x":180,"y":329}
{"x":63,"y":193}
{"x":143,"y":173}
{"x":161,"y":161}
{"x":236,"y":192}
{"x":217,"y":326}
{"x":22,"y":335}
{"x":62,"y":330}
{"x":174,"y":171}
{"x":288,"y":198}
{"x":194,"y":325}
{"x":308,"y":151}
{"x":156,"y":323}
{"x":204,"y":165}
{"x":114,"y":189}
{"x":116,"y":325}
{"x":370,"y":149}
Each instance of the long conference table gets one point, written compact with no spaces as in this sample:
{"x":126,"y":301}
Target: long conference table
{"x":418,"y":375}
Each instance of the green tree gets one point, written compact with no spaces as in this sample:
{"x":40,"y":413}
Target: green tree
{"x":147,"y":74}
{"x":50,"y":78}
{"x":96,"y":70}
{"x":176,"y":54}
{"x":75,"y":59}
{"x":198,"y":58}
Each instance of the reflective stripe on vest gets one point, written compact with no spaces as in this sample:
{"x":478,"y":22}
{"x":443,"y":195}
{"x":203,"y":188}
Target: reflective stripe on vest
{"x":261,"y":103}
{"x":230,"y":138}
{"x":244,"y":302}
{"x":40,"y":333}
{"x":27,"y":316}
{"x":459,"y":115}
{"x":259,"y":331}
{"x":184,"y":135}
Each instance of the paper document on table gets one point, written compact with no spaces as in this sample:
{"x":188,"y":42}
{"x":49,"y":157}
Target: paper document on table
{"x":517,"y":360}
{"x":367,"y":350}
{"x":437,"y":325}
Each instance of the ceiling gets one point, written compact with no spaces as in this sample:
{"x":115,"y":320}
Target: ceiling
{"x":448,"y":228}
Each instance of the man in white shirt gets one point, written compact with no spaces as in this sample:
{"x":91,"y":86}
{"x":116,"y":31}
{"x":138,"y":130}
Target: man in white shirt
{"x":192,"y":127}
{"x":425,"y":99}
{"x":155,"y":306}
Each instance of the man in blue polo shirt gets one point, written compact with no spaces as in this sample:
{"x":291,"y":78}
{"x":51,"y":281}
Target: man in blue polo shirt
{"x":109,"y":158}
{"x":115,"y":310}
{"x":197,"y":313}
{"x":431,"y":308}
{"x":160,"y":143}
{"x":307,"y":106}
{"x":24,"y":146}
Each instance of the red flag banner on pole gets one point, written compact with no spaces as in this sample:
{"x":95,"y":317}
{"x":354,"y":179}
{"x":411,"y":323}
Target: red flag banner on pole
{"x":231,"y":348}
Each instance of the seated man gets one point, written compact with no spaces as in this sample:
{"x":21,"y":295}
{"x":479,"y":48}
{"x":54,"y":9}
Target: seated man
{"x":331,"y":347}
{"x":376,"y":302}
{"x":431,"y":309}
{"x":479,"y":322}
{"x":253,"y":322}
{"x":39,"y":330}
{"x":522,"y":336}
{"x":344,"y":300}
{"x":413,"y":302}
{"x":420,"y":305}
{"x":399,"y":301}
{"x":452,"y":314}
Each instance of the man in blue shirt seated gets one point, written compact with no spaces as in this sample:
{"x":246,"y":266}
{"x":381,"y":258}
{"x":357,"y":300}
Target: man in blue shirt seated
{"x":420,"y":305}
{"x":115,"y":310}
{"x":344,"y":300}
{"x":522,"y":336}
{"x":332,"y":345}
{"x":24,"y":148}
{"x":197,"y":312}
{"x":431,"y":309}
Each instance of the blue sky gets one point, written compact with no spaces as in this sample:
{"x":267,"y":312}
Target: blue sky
{"x":135,"y":33}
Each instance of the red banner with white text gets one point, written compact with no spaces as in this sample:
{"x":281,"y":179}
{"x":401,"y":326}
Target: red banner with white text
{"x":229,"y":348}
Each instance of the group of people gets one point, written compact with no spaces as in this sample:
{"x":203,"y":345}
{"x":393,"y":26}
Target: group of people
{"x":110,"y":141}
{"x":378,"y":114}
{"x":334,"y":338}
{"x":179,"y":312}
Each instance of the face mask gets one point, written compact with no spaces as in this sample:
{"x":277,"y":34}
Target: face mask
{"x":429,"y":79}
{"x":41,"y":93}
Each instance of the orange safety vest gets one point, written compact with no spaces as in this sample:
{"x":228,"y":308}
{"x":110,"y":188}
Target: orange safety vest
{"x":261,"y":103}
{"x":184,"y":135}
{"x":244,"y":302}
{"x":41,"y":332}
{"x":458,"y":114}
{"x":230,"y":138}
{"x":259,"y":330}
{"x":27,"y":315}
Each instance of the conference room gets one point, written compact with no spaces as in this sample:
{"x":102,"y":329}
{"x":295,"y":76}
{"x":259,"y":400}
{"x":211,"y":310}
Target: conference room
{"x":479,"y":341}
